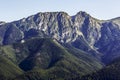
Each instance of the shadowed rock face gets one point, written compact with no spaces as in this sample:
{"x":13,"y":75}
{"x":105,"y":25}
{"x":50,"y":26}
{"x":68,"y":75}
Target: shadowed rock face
{"x":97,"y":35}
{"x":2,"y":22}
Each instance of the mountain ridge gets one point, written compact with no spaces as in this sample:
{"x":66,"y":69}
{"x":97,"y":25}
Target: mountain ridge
{"x":45,"y":57}
{"x":47,"y":43}
{"x":97,"y":34}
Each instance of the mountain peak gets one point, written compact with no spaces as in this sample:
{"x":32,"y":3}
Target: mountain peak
{"x":47,"y":13}
{"x":83,"y":13}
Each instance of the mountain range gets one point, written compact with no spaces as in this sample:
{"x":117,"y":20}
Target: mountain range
{"x":57,"y":46}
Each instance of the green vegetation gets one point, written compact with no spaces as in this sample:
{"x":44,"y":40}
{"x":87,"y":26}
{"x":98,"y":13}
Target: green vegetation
{"x":9,"y":52}
{"x":110,"y":72}
{"x":49,"y":59}
{"x":8,"y":70}
{"x":45,"y":58}
{"x":82,"y":45}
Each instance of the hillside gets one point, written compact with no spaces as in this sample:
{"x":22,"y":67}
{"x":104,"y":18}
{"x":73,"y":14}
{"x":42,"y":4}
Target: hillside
{"x":82,"y":31}
{"x":45,"y":57}
{"x":55,"y":45}
{"x":110,"y":72}
{"x":8,"y":70}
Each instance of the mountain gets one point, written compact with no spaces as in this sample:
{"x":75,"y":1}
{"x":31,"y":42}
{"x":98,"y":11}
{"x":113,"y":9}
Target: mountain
{"x":109,"y":42}
{"x":90,"y":34}
{"x":52,"y":42}
{"x":45,"y":58}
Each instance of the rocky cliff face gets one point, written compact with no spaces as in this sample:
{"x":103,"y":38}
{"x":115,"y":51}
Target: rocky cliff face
{"x":81,"y":30}
{"x":61,"y":26}
{"x":2,"y":22}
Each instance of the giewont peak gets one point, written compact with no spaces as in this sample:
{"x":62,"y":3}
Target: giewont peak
{"x":83,"y":14}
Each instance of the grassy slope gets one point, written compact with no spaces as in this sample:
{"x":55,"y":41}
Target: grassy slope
{"x":46,"y":58}
{"x":51,"y":60}
{"x":110,"y":72}
{"x":8,"y":69}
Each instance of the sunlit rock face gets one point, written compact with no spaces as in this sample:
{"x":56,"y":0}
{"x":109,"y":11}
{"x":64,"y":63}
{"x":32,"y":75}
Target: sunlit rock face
{"x":61,"y":26}
{"x":81,"y":30}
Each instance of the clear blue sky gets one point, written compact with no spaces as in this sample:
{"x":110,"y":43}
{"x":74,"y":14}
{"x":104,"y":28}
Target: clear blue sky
{"x":11,"y":10}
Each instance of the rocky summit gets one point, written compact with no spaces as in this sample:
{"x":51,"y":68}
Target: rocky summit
{"x":100,"y":36}
{"x":57,"y":46}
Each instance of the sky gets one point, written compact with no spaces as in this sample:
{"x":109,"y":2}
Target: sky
{"x":11,"y":10}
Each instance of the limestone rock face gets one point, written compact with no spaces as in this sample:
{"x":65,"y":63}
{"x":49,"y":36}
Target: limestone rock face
{"x":61,"y":26}
{"x":81,"y":30}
